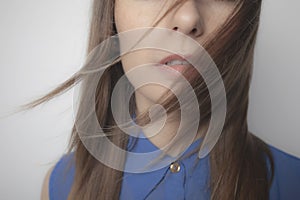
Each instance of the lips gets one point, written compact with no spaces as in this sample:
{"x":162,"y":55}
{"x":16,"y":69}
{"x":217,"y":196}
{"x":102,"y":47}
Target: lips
{"x":172,"y":57}
{"x":175,"y":62}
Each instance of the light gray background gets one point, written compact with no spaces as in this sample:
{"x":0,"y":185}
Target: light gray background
{"x":43,"y":43}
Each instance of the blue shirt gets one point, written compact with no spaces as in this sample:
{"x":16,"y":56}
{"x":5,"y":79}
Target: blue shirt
{"x":185,"y":179}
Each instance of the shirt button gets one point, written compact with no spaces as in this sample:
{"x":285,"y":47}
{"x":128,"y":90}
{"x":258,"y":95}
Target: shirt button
{"x":175,"y":167}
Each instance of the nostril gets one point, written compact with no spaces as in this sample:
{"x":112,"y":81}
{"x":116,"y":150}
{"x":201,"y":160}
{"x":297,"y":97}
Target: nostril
{"x":175,"y":28}
{"x":194,"y":31}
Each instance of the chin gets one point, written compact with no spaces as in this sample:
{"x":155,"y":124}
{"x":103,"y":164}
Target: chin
{"x":152,"y":92}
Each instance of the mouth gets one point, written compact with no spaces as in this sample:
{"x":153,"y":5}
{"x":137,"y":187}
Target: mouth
{"x":176,"y":62}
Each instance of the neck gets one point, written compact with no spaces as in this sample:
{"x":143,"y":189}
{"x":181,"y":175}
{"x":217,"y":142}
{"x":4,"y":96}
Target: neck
{"x":168,"y":131}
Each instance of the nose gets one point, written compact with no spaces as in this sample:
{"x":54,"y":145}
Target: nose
{"x":186,"y":18}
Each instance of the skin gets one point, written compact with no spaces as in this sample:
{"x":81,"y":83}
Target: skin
{"x":197,"y":19}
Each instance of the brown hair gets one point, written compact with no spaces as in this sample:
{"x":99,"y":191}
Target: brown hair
{"x":238,"y":162}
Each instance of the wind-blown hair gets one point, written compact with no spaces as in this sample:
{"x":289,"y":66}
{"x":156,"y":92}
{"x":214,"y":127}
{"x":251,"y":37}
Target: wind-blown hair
{"x":241,"y":164}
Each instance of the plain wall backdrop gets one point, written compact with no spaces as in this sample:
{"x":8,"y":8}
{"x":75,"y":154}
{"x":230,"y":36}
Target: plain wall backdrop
{"x":42,"y":43}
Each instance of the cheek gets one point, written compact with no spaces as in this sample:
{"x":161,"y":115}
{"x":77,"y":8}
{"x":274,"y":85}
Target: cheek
{"x":127,"y":16}
{"x":132,"y":59}
{"x":130,"y":14}
{"x":223,"y":12}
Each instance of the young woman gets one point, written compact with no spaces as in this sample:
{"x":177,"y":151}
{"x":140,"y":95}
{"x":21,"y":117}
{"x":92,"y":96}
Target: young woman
{"x":239,"y":166}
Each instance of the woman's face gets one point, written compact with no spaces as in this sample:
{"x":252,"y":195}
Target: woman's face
{"x":194,"y":18}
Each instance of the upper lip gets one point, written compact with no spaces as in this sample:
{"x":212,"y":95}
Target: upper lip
{"x":172,"y":57}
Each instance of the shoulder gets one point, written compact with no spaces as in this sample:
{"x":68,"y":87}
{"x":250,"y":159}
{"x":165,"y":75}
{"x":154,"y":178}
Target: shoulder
{"x":285,"y":161}
{"x":59,"y":179}
{"x":286,"y":180}
{"x":281,"y":154}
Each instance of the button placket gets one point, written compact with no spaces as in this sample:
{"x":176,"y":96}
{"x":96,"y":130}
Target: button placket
{"x":175,"y":179}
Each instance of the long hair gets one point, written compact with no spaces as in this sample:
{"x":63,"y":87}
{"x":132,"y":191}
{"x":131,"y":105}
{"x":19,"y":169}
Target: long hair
{"x":238,"y":162}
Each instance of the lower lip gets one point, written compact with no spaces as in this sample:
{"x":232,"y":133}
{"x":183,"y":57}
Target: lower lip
{"x":173,"y":68}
